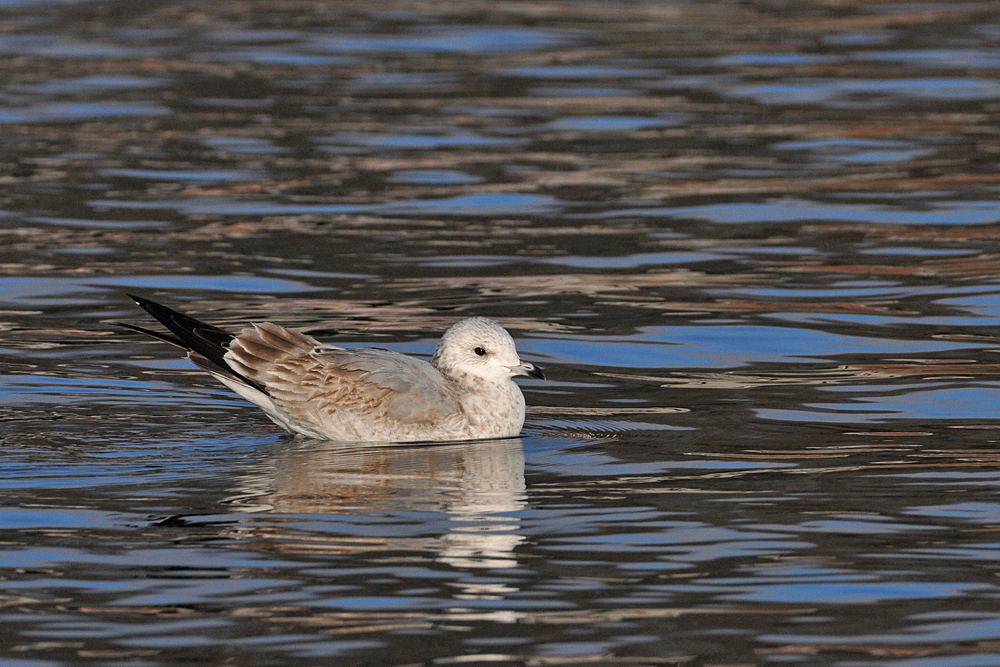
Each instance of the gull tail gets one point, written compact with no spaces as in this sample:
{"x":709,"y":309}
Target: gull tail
{"x":206,"y":345}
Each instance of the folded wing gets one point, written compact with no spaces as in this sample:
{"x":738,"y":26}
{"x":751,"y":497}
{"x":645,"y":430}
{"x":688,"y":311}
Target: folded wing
{"x":349,"y":394}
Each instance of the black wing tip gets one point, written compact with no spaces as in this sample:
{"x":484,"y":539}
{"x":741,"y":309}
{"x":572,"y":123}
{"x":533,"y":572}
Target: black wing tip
{"x":148,"y":304}
{"x":144,"y":303}
{"x":196,"y":337}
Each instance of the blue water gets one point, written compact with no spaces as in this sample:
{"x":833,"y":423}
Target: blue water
{"x":754,"y":247}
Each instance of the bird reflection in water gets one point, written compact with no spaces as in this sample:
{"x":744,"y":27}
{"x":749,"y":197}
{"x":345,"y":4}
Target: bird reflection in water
{"x":464,"y":495}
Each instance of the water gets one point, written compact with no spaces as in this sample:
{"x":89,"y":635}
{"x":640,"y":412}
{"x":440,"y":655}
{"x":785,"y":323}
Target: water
{"x":755,"y":246}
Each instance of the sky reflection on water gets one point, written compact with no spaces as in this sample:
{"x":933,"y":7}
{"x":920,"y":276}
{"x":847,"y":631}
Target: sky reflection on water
{"x":755,"y":249}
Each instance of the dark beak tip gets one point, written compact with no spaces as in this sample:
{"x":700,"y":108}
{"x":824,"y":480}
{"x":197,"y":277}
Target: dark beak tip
{"x":536,"y":372}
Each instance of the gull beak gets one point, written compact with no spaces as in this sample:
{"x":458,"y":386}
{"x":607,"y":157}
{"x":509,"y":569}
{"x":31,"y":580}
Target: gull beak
{"x":531,"y":370}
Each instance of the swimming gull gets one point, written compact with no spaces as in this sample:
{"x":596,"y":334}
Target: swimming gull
{"x":367,"y":394}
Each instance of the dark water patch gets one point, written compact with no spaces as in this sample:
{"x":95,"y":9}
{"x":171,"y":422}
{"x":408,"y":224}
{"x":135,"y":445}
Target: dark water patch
{"x":241,"y":145}
{"x":755,"y":251}
{"x":208,"y":176}
{"x":66,"y":291}
{"x":858,"y":151}
{"x":797,"y":210}
{"x":774,"y":59}
{"x":868,"y":93}
{"x":945,"y":58}
{"x":417,"y":141}
{"x":454,"y":39}
{"x":576,"y":72}
{"x":67,"y":47}
{"x":89,"y":85}
{"x":113,"y":224}
{"x":488,"y":205}
{"x":434,"y":176}
{"x":78,"y":112}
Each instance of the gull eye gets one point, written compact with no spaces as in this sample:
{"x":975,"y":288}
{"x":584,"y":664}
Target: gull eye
{"x":480,"y":351}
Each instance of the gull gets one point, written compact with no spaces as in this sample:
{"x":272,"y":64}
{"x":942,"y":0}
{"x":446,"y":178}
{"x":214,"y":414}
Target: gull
{"x":369,"y":395}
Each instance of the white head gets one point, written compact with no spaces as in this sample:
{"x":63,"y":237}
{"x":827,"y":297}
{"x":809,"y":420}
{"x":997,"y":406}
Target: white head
{"x":478,"y":349}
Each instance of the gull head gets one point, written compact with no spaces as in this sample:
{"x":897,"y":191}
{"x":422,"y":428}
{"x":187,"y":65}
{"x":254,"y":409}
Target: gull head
{"x":478,"y":349}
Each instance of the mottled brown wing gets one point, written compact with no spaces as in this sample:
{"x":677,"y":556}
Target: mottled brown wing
{"x":373,"y":384}
{"x":257,"y":348}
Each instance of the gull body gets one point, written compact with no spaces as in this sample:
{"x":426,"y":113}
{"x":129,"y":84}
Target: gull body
{"x":371,"y":395}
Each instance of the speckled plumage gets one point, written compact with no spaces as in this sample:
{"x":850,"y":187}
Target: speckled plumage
{"x":363,"y":395}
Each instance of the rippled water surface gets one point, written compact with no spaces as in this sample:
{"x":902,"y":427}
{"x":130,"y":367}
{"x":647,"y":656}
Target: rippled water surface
{"x":755,"y":245}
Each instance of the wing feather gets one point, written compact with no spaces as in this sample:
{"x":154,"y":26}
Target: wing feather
{"x":330,"y":387}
